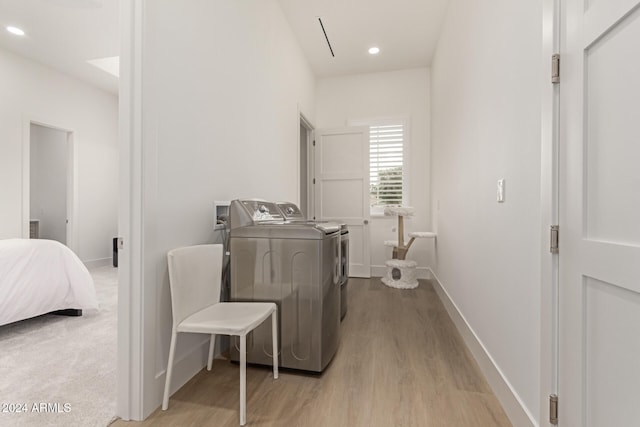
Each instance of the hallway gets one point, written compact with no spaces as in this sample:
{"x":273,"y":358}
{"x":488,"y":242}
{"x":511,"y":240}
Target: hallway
{"x":401,"y":362}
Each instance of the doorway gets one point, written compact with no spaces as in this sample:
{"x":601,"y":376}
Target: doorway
{"x":49,"y":185}
{"x":49,"y":181}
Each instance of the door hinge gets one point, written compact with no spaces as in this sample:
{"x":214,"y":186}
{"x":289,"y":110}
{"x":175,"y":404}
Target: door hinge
{"x":553,"y":409}
{"x":555,"y":68}
{"x":554,"y":246}
{"x":314,"y":181}
{"x":120,"y":243}
{"x":314,"y":142}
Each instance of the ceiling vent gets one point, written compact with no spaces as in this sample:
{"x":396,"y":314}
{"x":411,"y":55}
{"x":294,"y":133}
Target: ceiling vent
{"x":326,"y":37}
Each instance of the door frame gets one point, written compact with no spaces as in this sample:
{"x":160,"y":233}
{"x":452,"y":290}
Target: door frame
{"x":130,"y":275}
{"x":72,"y":177}
{"x":549,"y":203}
{"x":306,"y":123}
{"x":131,"y":390}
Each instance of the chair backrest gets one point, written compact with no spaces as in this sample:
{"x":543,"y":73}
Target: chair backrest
{"x":194,"y":278}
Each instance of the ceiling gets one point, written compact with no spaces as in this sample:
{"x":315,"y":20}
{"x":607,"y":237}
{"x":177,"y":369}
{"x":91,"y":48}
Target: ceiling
{"x":65,"y":34}
{"x":406,"y":31}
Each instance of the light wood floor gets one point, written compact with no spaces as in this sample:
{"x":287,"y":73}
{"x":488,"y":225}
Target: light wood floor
{"x":401,"y":362}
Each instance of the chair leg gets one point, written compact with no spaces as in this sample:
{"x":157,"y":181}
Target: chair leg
{"x":167,"y":381}
{"x":243,"y":380}
{"x":212,"y":345}
{"x":274,"y":336}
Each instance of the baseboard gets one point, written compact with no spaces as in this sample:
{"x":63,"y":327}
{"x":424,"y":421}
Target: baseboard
{"x":95,"y":263}
{"x":184,"y":368}
{"x":187,"y":366}
{"x":508,"y":398}
{"x":381,"y":271}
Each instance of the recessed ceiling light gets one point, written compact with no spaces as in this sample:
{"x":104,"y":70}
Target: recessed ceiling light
{"x":15,"y":30}
{"x":374,"y":50}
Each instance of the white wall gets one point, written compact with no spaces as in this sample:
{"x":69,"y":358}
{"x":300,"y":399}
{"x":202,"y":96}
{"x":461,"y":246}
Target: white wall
{"x":31,"y":91}
{"x":48,"y":182}
{"x":486,"y":102}
{"x":402,"y":93}
{"x":220,"y":121}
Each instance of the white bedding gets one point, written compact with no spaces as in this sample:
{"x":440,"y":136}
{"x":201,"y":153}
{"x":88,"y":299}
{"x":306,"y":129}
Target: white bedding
{"x":38,"y":276}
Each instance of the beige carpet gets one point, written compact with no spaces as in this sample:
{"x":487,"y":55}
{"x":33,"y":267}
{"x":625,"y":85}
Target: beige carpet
{"x":62,"y":370}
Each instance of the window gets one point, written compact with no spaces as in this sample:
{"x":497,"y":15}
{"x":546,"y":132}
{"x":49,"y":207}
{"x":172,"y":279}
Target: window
{"x":388,"y":169}
{"x":386,"y":165}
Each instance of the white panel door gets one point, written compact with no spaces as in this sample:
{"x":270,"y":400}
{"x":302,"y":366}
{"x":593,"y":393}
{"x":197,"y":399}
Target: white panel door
{"x":342,"y":189}
{"x":599,"y":350}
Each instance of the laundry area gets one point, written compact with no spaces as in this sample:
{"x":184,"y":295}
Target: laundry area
{"x":267,"y":129}
{"x":421,"y":198}
{"x":233,"y":108}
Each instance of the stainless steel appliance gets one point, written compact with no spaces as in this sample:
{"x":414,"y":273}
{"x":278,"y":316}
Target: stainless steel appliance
{"x":292,"y":213}
{"x":295,"y":265}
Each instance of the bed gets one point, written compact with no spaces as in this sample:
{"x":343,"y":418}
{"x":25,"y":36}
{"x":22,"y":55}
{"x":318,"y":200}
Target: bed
{"x":39,"y":276}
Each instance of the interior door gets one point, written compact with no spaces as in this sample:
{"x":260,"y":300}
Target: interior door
{"x":342,"y":189}
{"x":599,"y":350}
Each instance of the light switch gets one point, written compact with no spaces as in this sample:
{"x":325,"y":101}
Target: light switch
{"x":500,"y":191}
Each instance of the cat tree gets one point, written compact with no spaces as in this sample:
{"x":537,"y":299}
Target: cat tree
{"x":401,"y":273}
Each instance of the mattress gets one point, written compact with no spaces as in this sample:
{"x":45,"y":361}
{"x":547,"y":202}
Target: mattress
{"x":38,"y":276}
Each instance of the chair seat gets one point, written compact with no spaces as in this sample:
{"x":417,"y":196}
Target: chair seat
{"x":228,"y":318}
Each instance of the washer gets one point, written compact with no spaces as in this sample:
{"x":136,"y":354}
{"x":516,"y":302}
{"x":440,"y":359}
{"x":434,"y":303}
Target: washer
{"x":295,"y":265}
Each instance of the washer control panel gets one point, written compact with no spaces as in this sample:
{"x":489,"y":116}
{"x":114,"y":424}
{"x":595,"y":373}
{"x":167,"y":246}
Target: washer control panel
{"x":261,"y":210}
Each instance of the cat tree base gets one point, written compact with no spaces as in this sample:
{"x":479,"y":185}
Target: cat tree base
{"x":401,"y":274}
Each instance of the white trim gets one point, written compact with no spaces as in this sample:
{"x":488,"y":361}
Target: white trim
{"x":130,"y":381}
{"x":549,"y":208}
{"x":26,"y":176}
{"x":96,"y":263}
{"x":197,"y":356}
{"x":513,"y":406}
{"x":72,"y":191}
{"x":304,"y":121}
{"x":183,"y":368}
{"x":72,"y":176}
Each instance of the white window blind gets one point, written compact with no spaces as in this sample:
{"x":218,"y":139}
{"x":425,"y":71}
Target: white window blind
{"x":386,"y":164}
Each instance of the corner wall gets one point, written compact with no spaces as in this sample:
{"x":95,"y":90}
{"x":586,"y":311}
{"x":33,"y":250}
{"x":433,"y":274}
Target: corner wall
{"x":31,"y":91}
{"x":403,"y":93}
{"x":486,"y":126}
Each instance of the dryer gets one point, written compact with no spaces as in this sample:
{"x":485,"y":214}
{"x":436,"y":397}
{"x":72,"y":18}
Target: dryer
{"x":292,"y":213}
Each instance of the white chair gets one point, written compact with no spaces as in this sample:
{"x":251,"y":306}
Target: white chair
{"x":194,"y":279}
